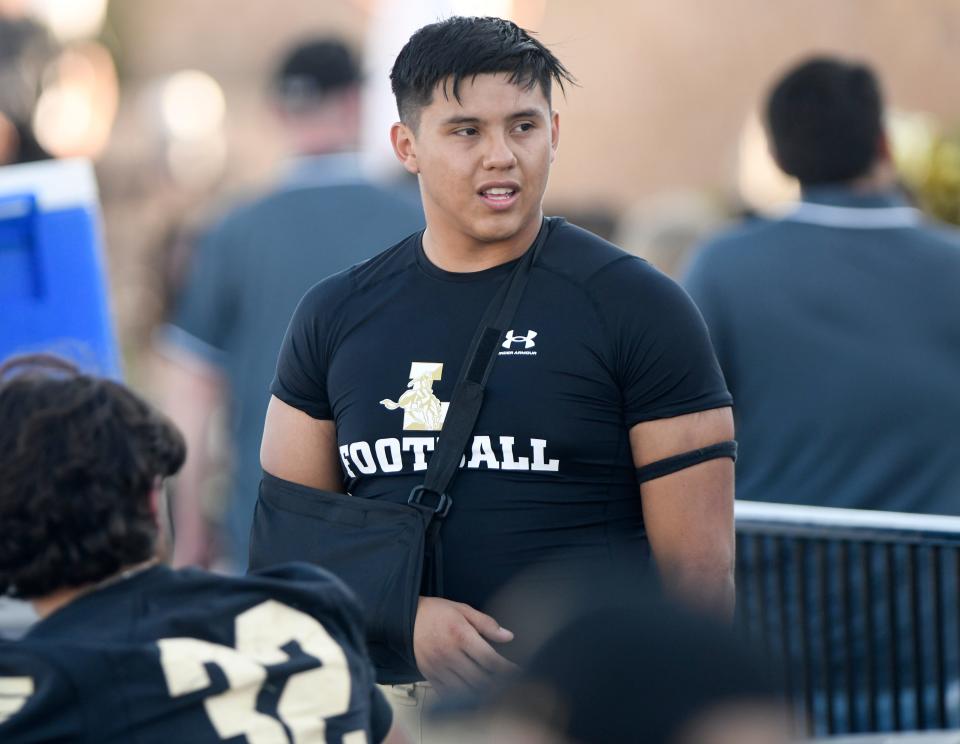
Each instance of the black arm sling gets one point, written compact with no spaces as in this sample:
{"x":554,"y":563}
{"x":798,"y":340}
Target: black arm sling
{"x":390,"y":554}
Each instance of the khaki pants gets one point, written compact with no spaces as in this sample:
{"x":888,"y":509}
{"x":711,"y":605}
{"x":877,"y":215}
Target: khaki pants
{"x":409,"y":703}
{"x":411,"y":706}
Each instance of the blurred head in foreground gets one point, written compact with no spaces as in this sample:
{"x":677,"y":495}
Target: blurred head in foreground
{"x":82,"y":459}
{"x":630,"y":670}
{"x":825,"y":120}
{"x":315,"y":91}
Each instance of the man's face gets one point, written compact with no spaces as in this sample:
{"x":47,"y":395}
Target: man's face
{"x":484,"y":160}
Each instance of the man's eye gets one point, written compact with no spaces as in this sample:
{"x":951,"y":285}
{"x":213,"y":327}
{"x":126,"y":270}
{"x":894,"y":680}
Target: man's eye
{"x":525,"y":126}
{"x":466,"y":131}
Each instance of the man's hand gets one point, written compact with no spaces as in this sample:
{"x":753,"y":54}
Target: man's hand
{"x":451,"y":642}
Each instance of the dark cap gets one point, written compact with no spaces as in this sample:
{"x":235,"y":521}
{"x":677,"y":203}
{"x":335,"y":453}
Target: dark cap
{"x":314,"y":69}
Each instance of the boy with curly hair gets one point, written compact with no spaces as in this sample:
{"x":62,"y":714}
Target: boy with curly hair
{"x":126,"y":648}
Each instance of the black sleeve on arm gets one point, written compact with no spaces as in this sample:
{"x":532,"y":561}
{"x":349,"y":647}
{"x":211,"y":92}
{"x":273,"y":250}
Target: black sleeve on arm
{"x":664,"y":362}
{"x":301,"y":376}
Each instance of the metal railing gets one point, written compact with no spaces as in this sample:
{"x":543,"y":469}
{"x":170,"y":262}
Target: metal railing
{"x":861,"y":607}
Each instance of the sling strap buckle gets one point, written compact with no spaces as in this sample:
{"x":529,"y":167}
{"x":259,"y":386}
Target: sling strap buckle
{"x":443,"y":501}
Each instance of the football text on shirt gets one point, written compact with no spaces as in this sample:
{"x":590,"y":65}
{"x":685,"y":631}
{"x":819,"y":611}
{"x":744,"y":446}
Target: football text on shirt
{"x":424,"y":411}
{"x":393,"y":455}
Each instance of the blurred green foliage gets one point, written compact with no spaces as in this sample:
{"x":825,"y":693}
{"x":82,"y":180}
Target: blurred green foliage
{"x":927,"y":157}
{"x":940,"y":191}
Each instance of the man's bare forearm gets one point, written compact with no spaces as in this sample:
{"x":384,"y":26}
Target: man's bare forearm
{"x":708,"y":588}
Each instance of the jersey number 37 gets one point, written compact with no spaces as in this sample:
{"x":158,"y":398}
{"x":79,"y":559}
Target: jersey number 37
{"x":308,"y":698}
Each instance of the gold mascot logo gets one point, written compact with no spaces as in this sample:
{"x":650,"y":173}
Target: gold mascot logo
{"x":422,"y":410}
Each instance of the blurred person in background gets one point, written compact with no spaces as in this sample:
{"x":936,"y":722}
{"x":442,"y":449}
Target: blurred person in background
{"x":667,"y":228}
{"x":250,"y":270}
{"x":838,"y":329}
{"x":26,"y":47}
{"x":128,"y":649}
{"x":838,"y":325}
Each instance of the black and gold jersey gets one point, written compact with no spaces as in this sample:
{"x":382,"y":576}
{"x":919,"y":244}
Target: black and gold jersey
{"x":188,"y":656}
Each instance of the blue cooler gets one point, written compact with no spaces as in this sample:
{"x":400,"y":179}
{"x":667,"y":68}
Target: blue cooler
{"x":53,"y":289}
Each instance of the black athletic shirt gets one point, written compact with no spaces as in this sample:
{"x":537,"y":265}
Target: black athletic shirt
{"x":601,"y":341}
{"x":187,"y":656}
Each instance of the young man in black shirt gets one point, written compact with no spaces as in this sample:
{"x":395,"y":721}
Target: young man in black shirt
{"x":607,"y":368}
{"x":128,"y":649}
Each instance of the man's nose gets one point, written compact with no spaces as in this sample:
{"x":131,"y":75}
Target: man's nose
{"x":499,"y":154}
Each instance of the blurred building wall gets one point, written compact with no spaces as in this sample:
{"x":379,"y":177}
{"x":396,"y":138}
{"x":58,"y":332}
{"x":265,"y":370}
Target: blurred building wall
{"x":665,"y":91}
{"x":667,"y":86}
{"x":150,"y":219}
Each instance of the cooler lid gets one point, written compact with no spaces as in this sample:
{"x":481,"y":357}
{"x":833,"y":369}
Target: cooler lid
{"x":56,"y":184}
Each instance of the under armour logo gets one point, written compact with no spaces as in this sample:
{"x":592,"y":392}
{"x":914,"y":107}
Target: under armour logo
{"x":527,"y":340}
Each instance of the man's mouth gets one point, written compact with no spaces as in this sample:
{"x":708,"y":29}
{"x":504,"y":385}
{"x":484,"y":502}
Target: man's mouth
{"x":499,"y":196}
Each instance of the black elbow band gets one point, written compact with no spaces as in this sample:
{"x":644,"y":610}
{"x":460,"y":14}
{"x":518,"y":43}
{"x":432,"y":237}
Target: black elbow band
{"x":672,"y":464}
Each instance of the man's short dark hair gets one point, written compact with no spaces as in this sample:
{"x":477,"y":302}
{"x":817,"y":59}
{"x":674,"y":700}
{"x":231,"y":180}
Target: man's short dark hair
{"x":462,"y":47}
{"x":80,"y":456}
{"x":314,"y":69}
{"x":825,"y":119}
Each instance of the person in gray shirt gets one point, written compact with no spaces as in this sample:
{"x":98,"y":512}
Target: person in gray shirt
{"x":837,"y":326}
{"x":250,"y":270}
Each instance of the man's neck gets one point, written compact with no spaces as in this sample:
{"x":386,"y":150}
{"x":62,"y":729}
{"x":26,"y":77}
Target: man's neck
{"x":49,"y":603}
{"x":452,"y":251}
{"x":307,"y":138}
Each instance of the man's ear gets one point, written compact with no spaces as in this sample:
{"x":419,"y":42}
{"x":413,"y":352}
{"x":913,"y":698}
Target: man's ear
{"x":405,"y":146}
{"x":554,"y":134}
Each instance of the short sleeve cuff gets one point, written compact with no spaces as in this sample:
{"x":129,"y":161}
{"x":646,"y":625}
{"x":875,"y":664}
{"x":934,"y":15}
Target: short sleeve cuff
{"x":312,"y":408}
{"x":702,"y":403}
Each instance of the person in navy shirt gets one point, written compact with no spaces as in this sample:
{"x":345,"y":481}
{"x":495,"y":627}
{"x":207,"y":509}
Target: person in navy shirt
{"x":127,"y":649}
{"x":838,"y":329}
{"x":836,"y":325}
